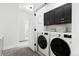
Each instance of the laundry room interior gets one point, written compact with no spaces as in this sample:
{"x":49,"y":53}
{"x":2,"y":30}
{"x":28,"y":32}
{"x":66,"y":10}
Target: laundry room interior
{"x":38,"y":29}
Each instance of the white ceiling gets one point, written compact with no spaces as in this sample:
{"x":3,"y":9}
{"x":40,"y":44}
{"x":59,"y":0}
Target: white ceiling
{"x":26,"y":6}
{"x":37,"y":5}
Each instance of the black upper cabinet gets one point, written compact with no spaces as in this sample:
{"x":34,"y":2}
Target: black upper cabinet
{"x":49,"y":18}
{"x":60,"y":15}
{"x":46,"y":18}
{"x":68,"y":13}
{"x":52,"y":17}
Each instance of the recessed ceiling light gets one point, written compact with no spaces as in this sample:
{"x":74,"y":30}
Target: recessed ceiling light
{"x":29,"y":7}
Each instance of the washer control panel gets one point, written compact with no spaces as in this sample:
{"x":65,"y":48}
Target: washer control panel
{"x":67,"y":36}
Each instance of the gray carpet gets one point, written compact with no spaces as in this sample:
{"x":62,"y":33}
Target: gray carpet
{"x":20,"y":52}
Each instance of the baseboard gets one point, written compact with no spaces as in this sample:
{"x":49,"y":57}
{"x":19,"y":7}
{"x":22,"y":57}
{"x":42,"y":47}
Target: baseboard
{"x":20,"y":45}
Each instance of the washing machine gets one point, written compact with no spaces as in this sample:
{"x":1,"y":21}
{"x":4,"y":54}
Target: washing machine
{"x":60,"y":44}
{"x":43,"y":43}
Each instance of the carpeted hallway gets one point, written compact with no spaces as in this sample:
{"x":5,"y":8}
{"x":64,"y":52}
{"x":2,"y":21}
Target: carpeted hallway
{"x":25,"y":51}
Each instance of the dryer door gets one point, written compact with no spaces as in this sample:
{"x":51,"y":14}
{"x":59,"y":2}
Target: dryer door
{"x":42,"y":42}
{"x":59,"y":47}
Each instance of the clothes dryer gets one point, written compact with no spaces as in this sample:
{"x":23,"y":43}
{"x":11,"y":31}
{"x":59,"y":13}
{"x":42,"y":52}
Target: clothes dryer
{"x":60,"y":44}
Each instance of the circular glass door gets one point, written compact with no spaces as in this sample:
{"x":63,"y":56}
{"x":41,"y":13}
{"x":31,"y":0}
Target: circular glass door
{"x":59,"y":47}
{"x":42,"y":42}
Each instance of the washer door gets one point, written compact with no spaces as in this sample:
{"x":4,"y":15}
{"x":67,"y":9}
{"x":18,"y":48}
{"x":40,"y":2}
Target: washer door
{"x":42,"y":42}
{"x":59,"y":47}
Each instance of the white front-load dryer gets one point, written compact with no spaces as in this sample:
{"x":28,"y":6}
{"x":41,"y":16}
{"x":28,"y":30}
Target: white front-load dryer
{"x":43,"y":43}
{"x":60,"y":44}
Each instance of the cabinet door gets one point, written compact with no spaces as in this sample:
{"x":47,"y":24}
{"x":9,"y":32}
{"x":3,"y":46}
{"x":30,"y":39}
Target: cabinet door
{"x":52,"y":17}
{"x":46,"y":18}
{"x":68,"y":12}
{"x":59,"y":15}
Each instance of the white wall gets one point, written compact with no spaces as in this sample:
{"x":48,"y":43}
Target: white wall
{"x":8,"y":24}
{"x":66,"y":28}
{"x":22,"y":17}
{"x":75,"y":29}
{"x":27,"y":14}
{"x":12,"y":25}
{"x":39,"y":20}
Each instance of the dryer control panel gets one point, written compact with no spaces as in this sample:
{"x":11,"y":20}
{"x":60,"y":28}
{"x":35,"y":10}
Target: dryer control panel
{"x":45,"y":33}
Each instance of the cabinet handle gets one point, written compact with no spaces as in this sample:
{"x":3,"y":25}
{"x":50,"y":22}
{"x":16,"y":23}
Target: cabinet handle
{"x":62,"y":18}
{"x":62,"y":21}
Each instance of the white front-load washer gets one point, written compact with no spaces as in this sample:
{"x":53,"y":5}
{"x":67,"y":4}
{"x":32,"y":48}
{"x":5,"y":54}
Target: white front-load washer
{"x":60,"y":44}
{"x":43,"y":43}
